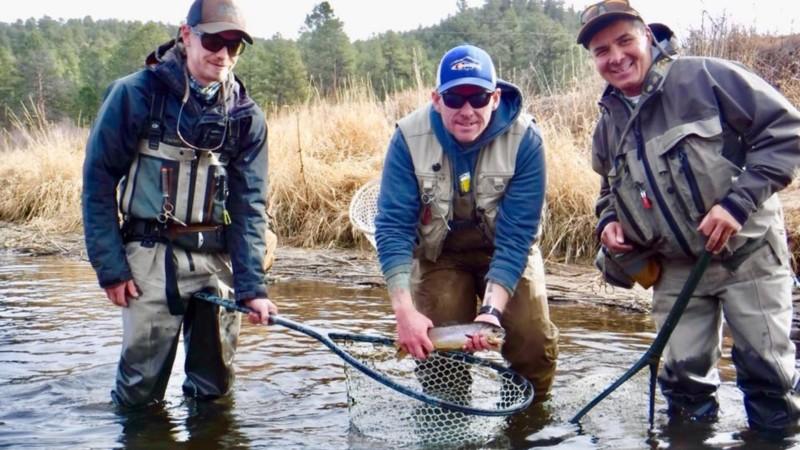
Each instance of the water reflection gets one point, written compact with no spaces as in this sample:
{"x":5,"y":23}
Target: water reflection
{"x":59,"y":344}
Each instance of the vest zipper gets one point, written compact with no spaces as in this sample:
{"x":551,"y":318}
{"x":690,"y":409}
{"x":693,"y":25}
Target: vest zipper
{"x":192,"y":183}
{"x":673,"y":225}
{"x":627,"y":213}
{"x":688,"y":173}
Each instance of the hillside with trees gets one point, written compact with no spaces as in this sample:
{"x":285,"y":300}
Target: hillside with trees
{"x":64,"y":66}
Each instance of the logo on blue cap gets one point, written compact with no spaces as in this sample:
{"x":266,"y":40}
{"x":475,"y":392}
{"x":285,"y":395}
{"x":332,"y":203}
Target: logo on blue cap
{"x":466,"y":64}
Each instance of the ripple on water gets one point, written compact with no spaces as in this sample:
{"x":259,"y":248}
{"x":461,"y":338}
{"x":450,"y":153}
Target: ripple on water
{"x":59,"y":344}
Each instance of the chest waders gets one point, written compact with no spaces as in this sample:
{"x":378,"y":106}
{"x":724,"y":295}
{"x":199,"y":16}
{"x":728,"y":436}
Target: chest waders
{"x":175,"y":193}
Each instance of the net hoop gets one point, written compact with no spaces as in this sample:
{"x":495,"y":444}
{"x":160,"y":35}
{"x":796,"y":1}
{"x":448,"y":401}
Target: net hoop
{"x":467,"y":358}
{"x":364,"y":208}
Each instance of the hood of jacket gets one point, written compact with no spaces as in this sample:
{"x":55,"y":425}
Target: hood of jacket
{"x":168,"y":63}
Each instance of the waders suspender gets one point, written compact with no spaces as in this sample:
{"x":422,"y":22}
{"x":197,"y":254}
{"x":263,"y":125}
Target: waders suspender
{"x":652,"y":356}
{"x":154,"y":136}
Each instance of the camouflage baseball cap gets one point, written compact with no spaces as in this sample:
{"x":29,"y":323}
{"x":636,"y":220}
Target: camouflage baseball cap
{"x":595,"y":17}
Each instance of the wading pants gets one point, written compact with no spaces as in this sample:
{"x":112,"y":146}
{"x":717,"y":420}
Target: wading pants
{"x":150,"y":332}
{"x":448,"y":292}
{"x":756,"y":303}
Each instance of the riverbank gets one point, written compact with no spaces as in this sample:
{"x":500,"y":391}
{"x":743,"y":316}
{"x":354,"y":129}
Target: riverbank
{"x":344,"y":267}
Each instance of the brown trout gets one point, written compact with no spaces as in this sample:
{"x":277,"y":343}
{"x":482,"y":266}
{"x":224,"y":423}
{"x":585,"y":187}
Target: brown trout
{"x":453,"y":337}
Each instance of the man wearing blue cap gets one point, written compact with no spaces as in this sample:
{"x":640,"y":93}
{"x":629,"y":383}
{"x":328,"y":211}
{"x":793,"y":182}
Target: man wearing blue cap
{"x":458,"y":215}
{"x":186,"y":149}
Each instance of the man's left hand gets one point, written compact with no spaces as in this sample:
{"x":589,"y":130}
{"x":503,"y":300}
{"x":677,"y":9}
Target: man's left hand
{"x":718,"y":225}
{"x":262,"y":308}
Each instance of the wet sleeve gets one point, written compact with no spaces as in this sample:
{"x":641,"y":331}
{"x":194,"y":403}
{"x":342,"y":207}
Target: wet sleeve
{"x":247,"y":204}
{"x":604,"y":206}
{"x":519,"y":213}
{"x":398,"y":211}
{"x":110,"y":150}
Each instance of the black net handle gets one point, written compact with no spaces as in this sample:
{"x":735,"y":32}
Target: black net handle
{"x":328,"y":341}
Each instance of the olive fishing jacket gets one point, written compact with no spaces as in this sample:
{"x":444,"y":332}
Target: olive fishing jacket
{"x":130,"y":112}
{"x":705,"y":131}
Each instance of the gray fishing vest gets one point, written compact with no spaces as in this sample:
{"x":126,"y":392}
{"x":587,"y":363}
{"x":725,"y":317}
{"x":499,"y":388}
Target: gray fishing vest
{"x":495,"y":167}
{"x":167,"y":174}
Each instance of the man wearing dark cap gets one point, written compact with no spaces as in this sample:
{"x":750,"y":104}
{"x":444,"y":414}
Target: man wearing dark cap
{"x":458,"y":215}
{"x":179,"y":152}
{"x":691,"y":152}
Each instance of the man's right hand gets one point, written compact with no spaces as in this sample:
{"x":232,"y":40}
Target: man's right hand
{"x":412,"y":326}
{"x":613,"y":238}
{"x":119,"y":293}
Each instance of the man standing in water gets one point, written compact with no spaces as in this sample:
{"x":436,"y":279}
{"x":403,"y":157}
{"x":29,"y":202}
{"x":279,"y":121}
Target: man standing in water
{"x":691,"y":152}
{"x":186,"y":150}
{"x":459,"y":209}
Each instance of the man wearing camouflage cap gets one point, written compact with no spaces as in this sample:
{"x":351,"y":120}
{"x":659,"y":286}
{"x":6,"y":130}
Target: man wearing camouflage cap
{"x":691,"y":152}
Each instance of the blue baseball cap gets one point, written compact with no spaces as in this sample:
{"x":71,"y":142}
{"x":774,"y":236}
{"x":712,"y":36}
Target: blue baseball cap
{"x":466,"y":64}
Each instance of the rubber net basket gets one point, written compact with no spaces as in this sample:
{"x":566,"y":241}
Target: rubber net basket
{"x":378,"y":412}
{"x":364,"y":207}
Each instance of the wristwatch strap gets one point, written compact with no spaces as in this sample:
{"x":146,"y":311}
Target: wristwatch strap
{"x":489,"y":309}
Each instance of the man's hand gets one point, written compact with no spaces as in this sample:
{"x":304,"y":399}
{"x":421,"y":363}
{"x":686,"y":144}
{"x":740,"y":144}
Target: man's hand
{"x":262,"y":308}
{"x":718,"y":225}
{"x":119,"y":293}
{"x":412,"y":326}
{"x":497,"y":297}
{"x":613,"y":238}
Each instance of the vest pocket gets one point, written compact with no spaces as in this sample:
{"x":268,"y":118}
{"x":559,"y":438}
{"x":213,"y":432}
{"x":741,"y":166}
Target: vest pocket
{"x":632,"y":203}
{"x":145,"y":192}
{"x":697,"y":173}
{"x":489,"y":192}
{"x":216,"y":196}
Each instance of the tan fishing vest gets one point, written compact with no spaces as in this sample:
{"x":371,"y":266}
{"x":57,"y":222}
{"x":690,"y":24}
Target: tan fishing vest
{"x":495,"y":167}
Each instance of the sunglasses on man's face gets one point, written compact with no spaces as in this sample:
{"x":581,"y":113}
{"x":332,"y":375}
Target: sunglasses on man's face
{"x":603,"y":7}
{"x":456,"y":101}
{"x":214,"y":42}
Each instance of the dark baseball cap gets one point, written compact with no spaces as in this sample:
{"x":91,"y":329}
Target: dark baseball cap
{"x":216,"y":16}
{"x":597,"y":16}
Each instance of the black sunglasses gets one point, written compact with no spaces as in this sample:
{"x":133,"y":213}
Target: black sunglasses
{"x":456,"y":101}
{"x":214,"y":43}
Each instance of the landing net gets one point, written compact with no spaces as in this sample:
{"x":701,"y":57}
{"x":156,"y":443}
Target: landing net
{"x":481,"y":394}
{"x":364,"y":207}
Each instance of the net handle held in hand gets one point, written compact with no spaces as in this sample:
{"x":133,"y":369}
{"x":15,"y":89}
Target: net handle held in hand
{"x":652,"y":356}
{"x":325,"y":339}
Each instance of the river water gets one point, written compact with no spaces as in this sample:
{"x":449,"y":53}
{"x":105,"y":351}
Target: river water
{"x":59,"y":344}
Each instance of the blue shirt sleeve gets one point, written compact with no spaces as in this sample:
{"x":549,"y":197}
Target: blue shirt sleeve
{"x":398,"y":209}
{"x":519,"y":213}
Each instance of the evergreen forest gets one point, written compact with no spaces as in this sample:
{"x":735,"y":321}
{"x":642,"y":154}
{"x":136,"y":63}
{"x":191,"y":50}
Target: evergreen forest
{"x":63,"y":67}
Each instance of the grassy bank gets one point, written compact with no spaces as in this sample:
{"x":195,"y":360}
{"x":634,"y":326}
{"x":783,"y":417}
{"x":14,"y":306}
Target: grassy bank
{"x":321,"y":152}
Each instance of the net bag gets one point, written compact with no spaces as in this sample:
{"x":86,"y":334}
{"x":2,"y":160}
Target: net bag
{"x":364,"y":207}
{"x":481,"y":393}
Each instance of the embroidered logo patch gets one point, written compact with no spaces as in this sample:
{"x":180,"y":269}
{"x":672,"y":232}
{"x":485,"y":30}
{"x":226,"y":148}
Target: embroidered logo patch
{"x":466,"y":63}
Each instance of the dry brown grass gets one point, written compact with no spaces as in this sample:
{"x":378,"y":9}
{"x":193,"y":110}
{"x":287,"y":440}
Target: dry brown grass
{"x":321,"y":152}
{"x":319,"y":155}
{"x":41,"y":173}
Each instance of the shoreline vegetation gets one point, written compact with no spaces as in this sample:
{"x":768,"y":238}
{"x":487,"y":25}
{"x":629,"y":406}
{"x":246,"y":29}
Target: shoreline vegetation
{"x":322,"y":151}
